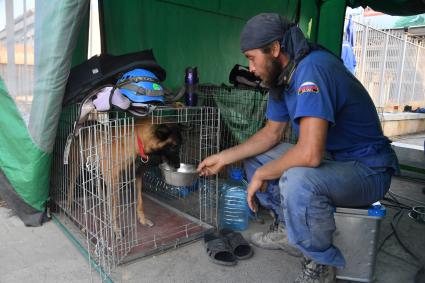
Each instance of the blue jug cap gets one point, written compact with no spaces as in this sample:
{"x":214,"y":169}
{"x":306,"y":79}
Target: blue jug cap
{"x":377,"y":210}
{"x":236,"y":173}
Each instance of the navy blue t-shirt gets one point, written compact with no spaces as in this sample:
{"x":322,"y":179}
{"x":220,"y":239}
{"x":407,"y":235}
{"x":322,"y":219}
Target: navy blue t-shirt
{"x":322,"y":87}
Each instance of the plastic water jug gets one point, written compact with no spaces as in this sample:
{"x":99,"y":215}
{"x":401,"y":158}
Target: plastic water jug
{"x":232,"y":203}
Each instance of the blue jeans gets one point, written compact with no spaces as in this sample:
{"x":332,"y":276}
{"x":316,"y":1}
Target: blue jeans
{"x":305,"y":199}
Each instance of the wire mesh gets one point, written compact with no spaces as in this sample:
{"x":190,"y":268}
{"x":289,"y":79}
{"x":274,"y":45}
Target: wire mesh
{"x":242,"y":114}
{"x":94,"y":184}
{"x":200,"y":129}
{"x":242,"y":111}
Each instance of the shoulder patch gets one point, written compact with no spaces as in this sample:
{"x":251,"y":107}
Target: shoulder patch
{"x":308,"y":87}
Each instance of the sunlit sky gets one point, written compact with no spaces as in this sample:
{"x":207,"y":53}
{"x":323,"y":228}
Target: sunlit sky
{"x":18,"y":9}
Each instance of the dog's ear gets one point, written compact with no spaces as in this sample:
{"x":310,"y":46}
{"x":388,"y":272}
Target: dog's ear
{"x":162,"y":132}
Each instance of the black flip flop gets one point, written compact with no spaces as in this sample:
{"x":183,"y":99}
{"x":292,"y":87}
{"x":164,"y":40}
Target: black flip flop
{"x":219,"y":250}
{"x":240,"y":247}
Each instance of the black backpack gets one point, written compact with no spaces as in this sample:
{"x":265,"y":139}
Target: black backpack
{"x":107,"y":69}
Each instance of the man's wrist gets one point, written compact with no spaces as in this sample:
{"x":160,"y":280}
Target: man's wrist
{"x":224,"y":157}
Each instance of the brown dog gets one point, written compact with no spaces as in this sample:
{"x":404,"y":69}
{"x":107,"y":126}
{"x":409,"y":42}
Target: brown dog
{"x":163,"y":140}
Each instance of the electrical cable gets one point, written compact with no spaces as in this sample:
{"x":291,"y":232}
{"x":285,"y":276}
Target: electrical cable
{"x":392,"y":231}
{"x":415,"y":264}
{"x":396,"y":218}
{"x":396,"y":204}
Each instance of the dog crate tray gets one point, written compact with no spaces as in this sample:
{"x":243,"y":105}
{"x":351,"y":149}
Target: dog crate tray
{"x":171,"y":229}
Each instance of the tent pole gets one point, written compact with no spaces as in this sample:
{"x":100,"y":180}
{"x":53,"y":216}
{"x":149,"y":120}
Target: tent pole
{"x":103,"y":47}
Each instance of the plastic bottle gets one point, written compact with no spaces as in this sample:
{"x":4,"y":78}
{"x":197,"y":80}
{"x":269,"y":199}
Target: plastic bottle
{"x":187,"y":190}
{"x":232,"y":204}
{"x":191,"y":80}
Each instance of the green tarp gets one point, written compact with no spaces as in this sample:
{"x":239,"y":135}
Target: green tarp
{"x":26,"y":153}
{"x":206,"y":33}
{"x":23,"y":163}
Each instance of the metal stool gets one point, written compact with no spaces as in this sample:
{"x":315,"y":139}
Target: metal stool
{"x":356,"y":235}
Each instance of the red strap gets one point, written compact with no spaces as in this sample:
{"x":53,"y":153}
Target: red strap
{"x":143,"y":156}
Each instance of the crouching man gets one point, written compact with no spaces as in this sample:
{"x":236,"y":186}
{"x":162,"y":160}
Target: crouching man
{"x":341,"y":157}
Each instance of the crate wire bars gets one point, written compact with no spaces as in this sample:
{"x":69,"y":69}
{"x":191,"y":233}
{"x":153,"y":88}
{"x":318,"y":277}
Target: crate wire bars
{"x":95,"y":196}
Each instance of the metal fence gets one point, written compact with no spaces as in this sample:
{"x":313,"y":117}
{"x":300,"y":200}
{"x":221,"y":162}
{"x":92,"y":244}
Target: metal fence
{"x":389,"y":66}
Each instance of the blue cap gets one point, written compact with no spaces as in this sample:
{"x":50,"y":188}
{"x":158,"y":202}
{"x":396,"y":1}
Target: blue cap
{"x":236,"y":173}
{"x":377,"y":210}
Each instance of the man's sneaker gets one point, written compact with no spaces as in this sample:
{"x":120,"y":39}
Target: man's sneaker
{"x":275,"y":239}
{"x":316,"y":273}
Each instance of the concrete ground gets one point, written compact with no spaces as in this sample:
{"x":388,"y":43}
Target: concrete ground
{"x":45,"y":254}
{"x":413,"y":139}
{"x":38,"y":254}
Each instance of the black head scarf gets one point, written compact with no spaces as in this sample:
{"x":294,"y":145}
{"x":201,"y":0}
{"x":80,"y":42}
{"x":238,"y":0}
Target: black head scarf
{"x":265,"y":28}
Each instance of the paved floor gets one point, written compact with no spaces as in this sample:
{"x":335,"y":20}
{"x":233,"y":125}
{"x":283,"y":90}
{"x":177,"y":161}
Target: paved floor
{"x":44,"y":254}
{"x":38,"y":254}
{"x":413,"y":139}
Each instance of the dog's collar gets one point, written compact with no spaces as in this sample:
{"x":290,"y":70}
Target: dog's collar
{"x":143,"y":156}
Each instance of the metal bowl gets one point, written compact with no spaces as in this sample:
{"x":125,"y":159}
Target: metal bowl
{"x":186,"y":175}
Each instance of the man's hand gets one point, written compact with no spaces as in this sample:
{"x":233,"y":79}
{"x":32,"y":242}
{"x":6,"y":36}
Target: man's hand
{"x":255,"y":185}
{"x":211,"y":165}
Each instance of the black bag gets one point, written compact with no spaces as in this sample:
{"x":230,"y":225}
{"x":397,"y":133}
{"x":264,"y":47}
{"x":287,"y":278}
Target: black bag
{"x":241,"y":76}
{"x":107,"y":69}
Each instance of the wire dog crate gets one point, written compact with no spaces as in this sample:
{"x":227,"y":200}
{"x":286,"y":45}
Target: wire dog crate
{"x":94,"y":185}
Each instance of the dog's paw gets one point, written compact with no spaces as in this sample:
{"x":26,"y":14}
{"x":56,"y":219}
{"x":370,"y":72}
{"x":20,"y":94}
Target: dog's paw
{"x":146,"y":222}
{"x":149,"y":223}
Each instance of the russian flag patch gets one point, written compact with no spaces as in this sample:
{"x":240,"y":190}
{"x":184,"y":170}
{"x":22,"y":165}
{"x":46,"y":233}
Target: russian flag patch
{"x":308,"y":87}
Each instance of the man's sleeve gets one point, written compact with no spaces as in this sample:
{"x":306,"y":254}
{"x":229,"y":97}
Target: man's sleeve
{"x":277,"y":110}
{"x":315,"y":94}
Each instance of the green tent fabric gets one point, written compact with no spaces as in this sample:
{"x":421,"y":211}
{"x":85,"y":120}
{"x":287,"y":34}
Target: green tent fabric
{"x":410,"y":21}
{"x":61,"y":21}
{"x":26,"y":153}
{"x":196,"y":33}
{"x":185,"y":33}
{"x":21,"y":159}
{"x":25,"y":166}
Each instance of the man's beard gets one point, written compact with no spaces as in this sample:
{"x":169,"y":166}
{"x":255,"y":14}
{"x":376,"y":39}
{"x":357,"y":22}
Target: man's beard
{"x":274,"y":69}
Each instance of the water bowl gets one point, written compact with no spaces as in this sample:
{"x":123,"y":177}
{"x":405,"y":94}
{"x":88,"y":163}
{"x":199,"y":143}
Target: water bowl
{"x":186,"y":175}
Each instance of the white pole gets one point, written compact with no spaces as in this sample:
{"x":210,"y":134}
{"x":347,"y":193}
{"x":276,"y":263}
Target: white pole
{"x":363,"y":59}
{"x":25,"y":32}
{"x":381,"y":100}
{"x":10,"y":39}
{"x":415,"y":70}
{"x":400,"y":77}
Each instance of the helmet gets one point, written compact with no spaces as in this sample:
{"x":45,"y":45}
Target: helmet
{"x":141,"y":86}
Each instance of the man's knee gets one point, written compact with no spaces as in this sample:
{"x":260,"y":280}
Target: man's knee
{"x":265,"y":157}
{"x":297,"y":182}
